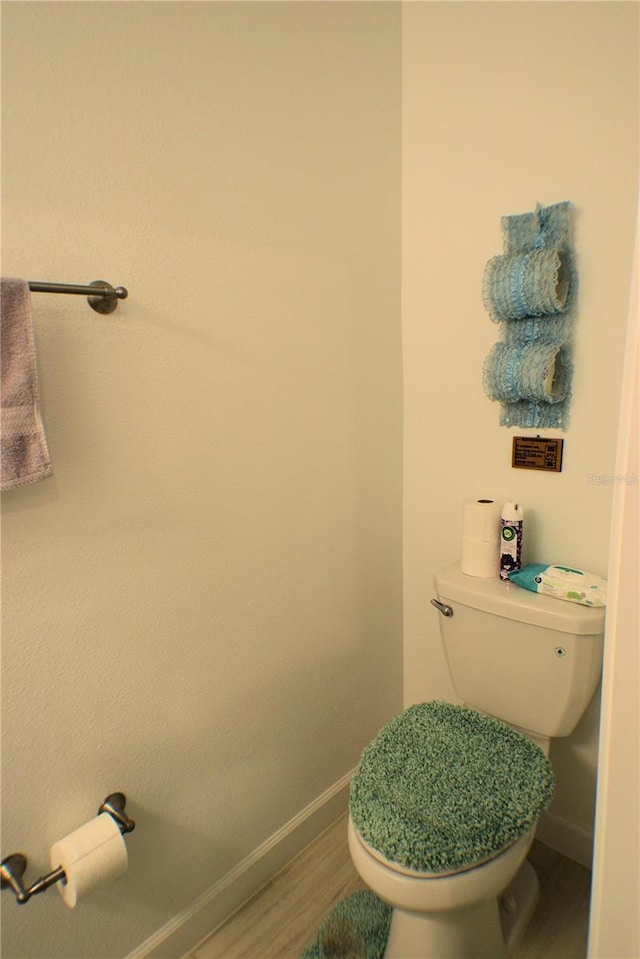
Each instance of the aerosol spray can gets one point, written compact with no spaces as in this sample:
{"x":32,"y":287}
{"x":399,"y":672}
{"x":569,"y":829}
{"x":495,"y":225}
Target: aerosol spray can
{"x":510,"y":539}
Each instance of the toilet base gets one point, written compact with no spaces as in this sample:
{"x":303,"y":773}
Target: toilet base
{"x":473,"y":933}
{"x":488,"y":930}
{"x":517,"y":905}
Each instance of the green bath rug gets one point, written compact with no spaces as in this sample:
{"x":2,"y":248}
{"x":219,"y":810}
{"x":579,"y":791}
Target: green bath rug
{"x":357,"y":928}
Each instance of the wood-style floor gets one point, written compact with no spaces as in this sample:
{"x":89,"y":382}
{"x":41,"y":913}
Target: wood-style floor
{"x":280,"y":920}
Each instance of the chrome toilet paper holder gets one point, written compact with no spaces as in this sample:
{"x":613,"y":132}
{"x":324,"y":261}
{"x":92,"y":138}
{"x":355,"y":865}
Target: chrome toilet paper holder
{"x":13,"y":868}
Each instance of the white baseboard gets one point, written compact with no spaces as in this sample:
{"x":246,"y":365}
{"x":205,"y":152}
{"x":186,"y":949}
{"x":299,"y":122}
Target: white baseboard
{"x":183,"y":933}
{"x":566,"y":837}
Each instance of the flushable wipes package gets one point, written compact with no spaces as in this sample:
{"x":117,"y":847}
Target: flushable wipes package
{"x":563,"y":582}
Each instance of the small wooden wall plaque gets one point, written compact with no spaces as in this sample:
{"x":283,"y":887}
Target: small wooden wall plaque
{"x":537,"y":453}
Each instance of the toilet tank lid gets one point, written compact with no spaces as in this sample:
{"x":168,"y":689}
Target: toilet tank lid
{"x":506,"y":599}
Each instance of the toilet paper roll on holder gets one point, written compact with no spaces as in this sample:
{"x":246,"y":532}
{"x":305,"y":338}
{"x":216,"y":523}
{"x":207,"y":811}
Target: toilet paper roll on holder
{"x":13,"y":868}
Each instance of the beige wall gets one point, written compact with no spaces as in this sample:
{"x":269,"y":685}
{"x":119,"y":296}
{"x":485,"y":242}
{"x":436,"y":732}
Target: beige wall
{"x":203,"y":606}
{"x":506,"y":105}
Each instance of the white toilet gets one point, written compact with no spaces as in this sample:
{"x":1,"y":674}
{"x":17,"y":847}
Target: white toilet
{"x":447,"y":852}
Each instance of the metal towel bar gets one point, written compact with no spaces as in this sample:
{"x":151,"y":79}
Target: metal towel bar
{"x":101,"y":296}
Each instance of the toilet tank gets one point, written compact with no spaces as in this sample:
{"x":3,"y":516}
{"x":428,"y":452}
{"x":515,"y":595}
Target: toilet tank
{"x":529,"y":659}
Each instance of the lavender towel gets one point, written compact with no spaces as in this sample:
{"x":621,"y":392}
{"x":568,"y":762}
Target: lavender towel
{"x":25,"y":455}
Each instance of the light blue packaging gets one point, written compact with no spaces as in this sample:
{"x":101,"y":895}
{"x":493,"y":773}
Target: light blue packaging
{"x":562,"y":582}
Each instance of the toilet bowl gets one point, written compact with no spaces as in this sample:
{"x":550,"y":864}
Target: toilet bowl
{"x":443,"y":810}
{"x":445,"y":800}
{"x":479,"y":912}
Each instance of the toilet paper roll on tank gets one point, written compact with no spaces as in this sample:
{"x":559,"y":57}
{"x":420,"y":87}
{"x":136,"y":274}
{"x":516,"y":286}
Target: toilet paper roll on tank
{"x":480,"y":537}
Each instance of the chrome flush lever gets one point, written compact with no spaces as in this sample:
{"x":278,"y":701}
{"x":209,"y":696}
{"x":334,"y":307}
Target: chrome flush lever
{"x":444,"y":609}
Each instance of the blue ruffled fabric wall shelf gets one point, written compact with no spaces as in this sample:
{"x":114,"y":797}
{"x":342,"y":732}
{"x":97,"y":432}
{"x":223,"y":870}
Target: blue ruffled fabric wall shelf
{"x":531,"y":291}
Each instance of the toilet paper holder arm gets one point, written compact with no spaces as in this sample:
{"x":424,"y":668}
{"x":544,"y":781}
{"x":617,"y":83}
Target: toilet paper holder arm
{"x":13,"y":867}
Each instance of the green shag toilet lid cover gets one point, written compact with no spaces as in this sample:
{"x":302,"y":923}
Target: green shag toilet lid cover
{"x":444,"y":787}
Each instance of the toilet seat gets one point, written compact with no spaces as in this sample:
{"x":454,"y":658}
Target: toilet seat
{"x":419,"y":873}
{"x":444,"y":788}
